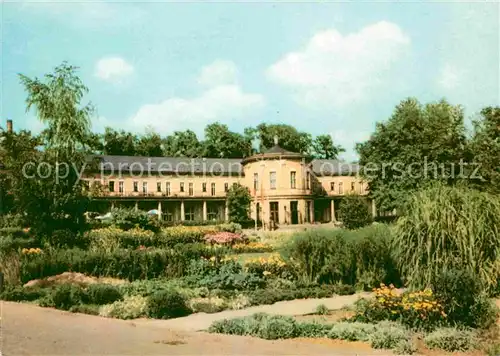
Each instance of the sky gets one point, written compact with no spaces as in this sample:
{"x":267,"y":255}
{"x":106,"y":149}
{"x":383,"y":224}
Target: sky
{"x":324,"y":67}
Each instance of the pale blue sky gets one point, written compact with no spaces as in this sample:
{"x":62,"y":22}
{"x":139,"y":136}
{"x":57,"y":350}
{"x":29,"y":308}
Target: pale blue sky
{"x":333,"y":68}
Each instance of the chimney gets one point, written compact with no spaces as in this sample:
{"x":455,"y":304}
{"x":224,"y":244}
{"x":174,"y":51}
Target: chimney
{"x":9,"y":126}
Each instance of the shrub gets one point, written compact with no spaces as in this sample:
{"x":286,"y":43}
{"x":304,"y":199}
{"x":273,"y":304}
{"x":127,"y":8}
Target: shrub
{"x":350,"y":257}
{"x":252,"y":247}
{"x":224,"y":238}
{"x":131,"y":307}
{"x":388,"y":335}
{"x":11,"y":221}
{"x":130,"y":218}
{"x":207,"y":305}
{"x":21,"y":294}
{"x":313,"y":329}
{"x":405,"y":347}
{"x":277,"y":327}
{"x":461,"y":294}
{"x":322,"y":310}
{"x":91,"y":309}
{"x":351,"y":331}
{"x":419,"y":310}
{"x":103,"y":294}
{"x":10,"y":265}
{"x":64,"y":296}
{"x":238,"y":203}
{"x":451,"y":339}
{"x":445,"y":228}
{"x":271,"y":266}
{"x":167,"y":304}
{"x":354,"y":212}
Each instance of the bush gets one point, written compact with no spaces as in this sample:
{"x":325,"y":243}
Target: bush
{"x":313,"y":329}
{"x":322,"y":310}
{"x":167,"y":304}
{"x":100,"y":294}
{"x":127,"y":219}
{"x":11,"y":221}
{"x":405,"y":347}
{"x":389,"y":335}
{"x":65,"y":239}
{"x":21,"y":294}
{"x":131,"y":307}
{"x":418,"y":310}
{"x":354,"y":212}
{"x":355,"y":257}
{"x":451,"y":339}
{"x":351,"y":331}
{"x":272,"y":266}
{"x":64,"y":296}
{"x":277,"y":327}
{"x":449,"y":227}
{"x":207,"y":305}
{"x":90,"y":309}
{"x":461,"y":294}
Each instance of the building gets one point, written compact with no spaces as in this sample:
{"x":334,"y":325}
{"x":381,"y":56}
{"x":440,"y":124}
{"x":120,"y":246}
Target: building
{"x":286,"y":187}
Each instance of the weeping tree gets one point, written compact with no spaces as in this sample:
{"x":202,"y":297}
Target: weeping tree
{"x":48,"y":190}
{"x":444,"y":228}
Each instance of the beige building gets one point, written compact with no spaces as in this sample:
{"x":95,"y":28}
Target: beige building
{"x":286,"y":187}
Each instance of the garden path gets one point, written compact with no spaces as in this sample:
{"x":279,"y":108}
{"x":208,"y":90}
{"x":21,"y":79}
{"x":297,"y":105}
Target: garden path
{"x":30,"y":330}
{"x":201,"y":321}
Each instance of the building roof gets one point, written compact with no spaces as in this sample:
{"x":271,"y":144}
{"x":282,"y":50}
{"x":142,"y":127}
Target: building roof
{"x":221,"y":166}
{"x":127,"y":164}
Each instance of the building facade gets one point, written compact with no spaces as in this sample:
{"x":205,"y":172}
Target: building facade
{"x":286,"y":187}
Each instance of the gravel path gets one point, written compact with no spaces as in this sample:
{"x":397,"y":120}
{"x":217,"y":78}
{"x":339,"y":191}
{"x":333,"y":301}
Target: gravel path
{"x":30,"y":330}
{"x":201,"y":321}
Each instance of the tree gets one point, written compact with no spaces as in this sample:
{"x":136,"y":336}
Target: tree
{"x":49,"y":190}
{"x":222,"y":143}
{"x":289,"y":138}
{"x":354,"y":212}
{"x":238,"y":203}
{"x":485,"y":148}
{"x":182,"y":144}
{"x":119,"y":143}
{"x":150,"y":145}
{"x":417,"y":145}
{"x":324,"y":148}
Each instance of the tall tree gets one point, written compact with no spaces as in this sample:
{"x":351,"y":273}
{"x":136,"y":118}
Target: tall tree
{"x":150,"y":145}
{"x":485,"y":148}
{"x":119,"y":143}
{"x":221,"y":143}
{"x":49,"y":191}
{"x":324,"y":148}
{"x":289,"y":138}
{"x":417,"y":145}
{"x":182,"y":144}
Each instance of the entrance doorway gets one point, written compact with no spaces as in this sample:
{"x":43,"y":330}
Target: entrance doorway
{"x":274,"y":211}
{"x":294,"y":212}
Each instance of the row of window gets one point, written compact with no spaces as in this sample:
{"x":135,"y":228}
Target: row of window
{"x":189,"y":214}
{"x":341,"y":187}
{"x":272,"y":180}
{"x":111,"y":187}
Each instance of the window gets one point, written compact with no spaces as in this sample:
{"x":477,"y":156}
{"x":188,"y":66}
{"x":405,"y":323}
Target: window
{"x":120,"y":187}
{"x":111,"y":185}
{"x":308,"y":180}
{"x":274,"y":209}
{"x":256,"y":181}
{"x":182,"y":187}
{"x":213,"y":188}
{"x":144,"y":187}
{"x":189,"y":213}
{"x":226,"y":187}
{"x":341,"y":188}
{"x":212,"y":213}
{"x":204,"y":187}
{"x":332,"y":186}
{"x":167,"y":188}
{"x":190,"y":188}
{"x":360,"y":188}
{"x":352,"y":186}
{"x":293,"y":180}
{"x":158,"y":187}
{"x":136,"y":187}
{"x":272,"y":180}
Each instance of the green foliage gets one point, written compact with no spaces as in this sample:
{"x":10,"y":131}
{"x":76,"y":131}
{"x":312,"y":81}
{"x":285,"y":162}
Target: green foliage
{"x":131,"y":307}
{"x":354,"y":257}
{"x":91,"y":309}
{"x":322,"y":310}
{"x":11,"y":220}
{"x":351,"y":331}
{"x":238,"y":203}
{"x":222,"y":143}
{"x":167,"y":304}
{"x":64,"y":296}
{"x":451,"y":339}
{"x":354,"y":212}
{"x":405,"y":347}
{"x":126,"y":264}
{"x":407,"y":151}
{"x":388,"y":335}
{"x":485,"y":148}
{"x":127,"y":219}
{"x":461,"y":294}
{"x":21,"y":294}
{"x":324,"y":147}
{"x":313,"y":329}
{"x":100,"y":294}
{"x":445,"y":228}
